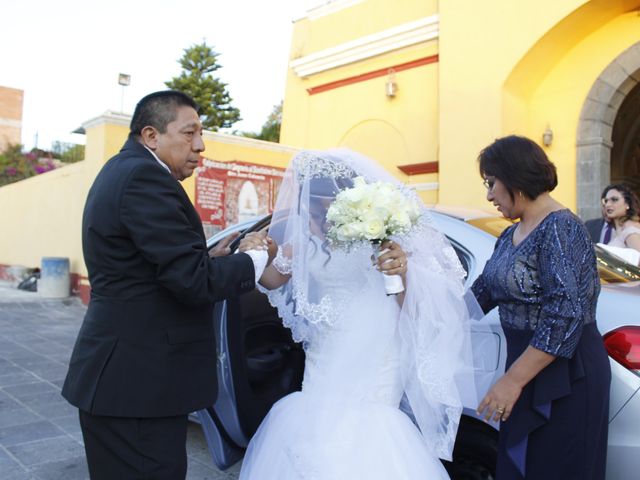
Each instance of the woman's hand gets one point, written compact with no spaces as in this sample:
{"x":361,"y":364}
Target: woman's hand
{"x":394,"y":260}
{"x":498,"y":403}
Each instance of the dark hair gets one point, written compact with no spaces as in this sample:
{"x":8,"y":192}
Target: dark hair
{"x":629,"y":197}
{"x":158,"y":109}
{"x":520,"y":164}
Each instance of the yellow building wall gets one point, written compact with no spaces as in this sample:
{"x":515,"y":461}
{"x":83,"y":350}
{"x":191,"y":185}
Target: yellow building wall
{"x":558,"y":100}
{"x":371,"y":16}
{"x":40,"y":217}
{"x":504,"y":67}
{"x":480,"y":44}
{"x":394,"y":131}
{"x":514,"y":67}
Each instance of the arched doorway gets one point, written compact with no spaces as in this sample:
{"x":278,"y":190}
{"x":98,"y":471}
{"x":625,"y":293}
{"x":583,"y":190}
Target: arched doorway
{"x":606,"y":132}
{"x":248,"y":203}
{"x":625,"y":153}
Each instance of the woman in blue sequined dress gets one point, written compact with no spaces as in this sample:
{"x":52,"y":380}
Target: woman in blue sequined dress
{"x":553,"y":399}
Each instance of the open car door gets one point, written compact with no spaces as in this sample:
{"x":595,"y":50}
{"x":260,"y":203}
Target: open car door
{"x":258,"y":363}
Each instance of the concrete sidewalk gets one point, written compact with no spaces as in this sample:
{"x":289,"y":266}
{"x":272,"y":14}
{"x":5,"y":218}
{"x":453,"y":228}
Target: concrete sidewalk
{"x":40,"y":435}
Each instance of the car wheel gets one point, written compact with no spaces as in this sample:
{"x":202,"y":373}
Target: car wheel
{"x":475,"y":452}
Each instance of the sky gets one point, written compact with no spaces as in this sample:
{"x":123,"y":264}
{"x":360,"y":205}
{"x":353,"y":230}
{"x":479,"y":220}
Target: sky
{"x":66,"y":55}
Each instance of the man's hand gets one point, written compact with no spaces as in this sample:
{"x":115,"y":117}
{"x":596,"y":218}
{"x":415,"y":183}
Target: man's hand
{"x":222,"y":247}
{"x":259,"y":241}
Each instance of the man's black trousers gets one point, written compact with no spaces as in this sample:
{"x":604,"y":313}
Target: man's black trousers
{"x":120,"y":448}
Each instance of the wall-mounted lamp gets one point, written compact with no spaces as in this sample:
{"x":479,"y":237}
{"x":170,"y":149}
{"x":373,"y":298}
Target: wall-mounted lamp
{"x":391,"y":87}
{"x":547,"y":137}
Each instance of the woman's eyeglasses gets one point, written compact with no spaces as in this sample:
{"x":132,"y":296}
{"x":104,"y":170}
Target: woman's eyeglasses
{"x":610,"y":199}
{"x":489,"y":183}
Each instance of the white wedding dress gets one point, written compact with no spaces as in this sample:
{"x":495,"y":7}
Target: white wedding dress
{"x":346,"y":422}
{"x":364,"y":353}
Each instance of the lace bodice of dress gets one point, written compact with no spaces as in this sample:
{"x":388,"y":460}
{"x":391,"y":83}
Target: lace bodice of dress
{"x":336,"y":273}
{"x":364,"y":339}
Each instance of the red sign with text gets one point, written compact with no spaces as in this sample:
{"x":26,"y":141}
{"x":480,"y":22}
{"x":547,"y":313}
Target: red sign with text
{"x":231,"y":192}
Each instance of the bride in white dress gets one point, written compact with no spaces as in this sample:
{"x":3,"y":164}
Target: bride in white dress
{"x":365,"y":351}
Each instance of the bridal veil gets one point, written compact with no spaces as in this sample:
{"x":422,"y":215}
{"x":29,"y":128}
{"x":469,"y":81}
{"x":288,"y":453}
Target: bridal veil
{"x":433,"y":323}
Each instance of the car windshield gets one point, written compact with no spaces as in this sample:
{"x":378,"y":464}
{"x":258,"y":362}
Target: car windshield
{"x":492,"y":225}
{"x":611,"y":268}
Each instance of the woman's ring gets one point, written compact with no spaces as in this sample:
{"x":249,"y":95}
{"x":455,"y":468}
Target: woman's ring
{"x":500,"y":410}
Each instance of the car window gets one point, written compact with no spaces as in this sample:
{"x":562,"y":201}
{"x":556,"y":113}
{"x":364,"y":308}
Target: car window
{"x":492,"y":225}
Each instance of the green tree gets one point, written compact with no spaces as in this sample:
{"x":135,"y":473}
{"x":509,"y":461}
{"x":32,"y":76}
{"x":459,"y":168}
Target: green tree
{"x":271,"y":128}
{"x":67,"y":152}
{"x":196,"y":80}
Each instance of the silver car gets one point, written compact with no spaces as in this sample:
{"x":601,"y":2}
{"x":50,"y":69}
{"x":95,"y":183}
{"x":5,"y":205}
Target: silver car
{"x":259,"y":363}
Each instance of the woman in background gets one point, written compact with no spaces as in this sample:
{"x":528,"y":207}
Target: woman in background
{"x":621,"y":207}
{"x":553,"y":399}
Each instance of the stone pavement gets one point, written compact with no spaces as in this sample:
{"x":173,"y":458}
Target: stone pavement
{"x":40,"y":435}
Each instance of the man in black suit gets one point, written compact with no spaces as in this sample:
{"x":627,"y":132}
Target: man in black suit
{"x":600,"y":229}
{"x":145,"y":355}
{"x":595,"y":227}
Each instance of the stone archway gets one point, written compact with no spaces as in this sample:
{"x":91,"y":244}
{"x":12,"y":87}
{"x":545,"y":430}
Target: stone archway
{"x":625,"y":153}
{"x":594,"y":139}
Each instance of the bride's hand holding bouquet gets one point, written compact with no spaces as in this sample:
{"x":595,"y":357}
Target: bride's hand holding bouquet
{"x":374,"y":212}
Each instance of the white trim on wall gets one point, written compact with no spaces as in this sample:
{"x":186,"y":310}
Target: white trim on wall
{"x":108,"y":117}
{"x":425,"y":186}
{"x":329,"y":7}
{"x":405,"y":35}
{"x":7,"y":122}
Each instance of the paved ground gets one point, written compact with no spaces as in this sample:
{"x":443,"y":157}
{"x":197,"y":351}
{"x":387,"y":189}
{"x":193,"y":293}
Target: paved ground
{"x":40,"y":436}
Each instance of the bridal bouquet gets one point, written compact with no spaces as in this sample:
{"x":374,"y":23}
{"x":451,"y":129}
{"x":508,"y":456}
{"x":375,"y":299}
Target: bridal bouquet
{"x":373,"y":212}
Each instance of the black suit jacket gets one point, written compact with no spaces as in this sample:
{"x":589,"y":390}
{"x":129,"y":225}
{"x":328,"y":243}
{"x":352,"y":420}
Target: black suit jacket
{"x":146,"y":346}
{"x":594,"y":227}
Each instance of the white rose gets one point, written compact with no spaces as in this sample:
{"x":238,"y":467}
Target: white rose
{"x":401,"y":220}
{"x":352,"y":195}
{"x":414,"y":211}
{"x":374,"y":229}
{"x":350,"y":231}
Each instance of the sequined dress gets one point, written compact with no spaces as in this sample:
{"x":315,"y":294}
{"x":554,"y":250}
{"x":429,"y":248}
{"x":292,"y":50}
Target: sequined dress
{"x":546,"y":288}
